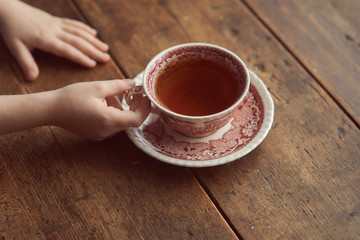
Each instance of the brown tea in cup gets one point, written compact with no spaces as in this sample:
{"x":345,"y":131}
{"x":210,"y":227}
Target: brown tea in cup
{"x":197,"y":87}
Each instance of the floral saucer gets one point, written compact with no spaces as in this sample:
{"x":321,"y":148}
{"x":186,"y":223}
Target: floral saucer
{"x":252,"y":122}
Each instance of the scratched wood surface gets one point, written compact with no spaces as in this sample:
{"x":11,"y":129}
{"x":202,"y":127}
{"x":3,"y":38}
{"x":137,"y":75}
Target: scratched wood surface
{"x":302,"y":182}
{"x":325,"y":36}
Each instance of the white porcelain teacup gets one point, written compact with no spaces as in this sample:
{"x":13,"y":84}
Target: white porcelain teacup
{"x":205,"y":65}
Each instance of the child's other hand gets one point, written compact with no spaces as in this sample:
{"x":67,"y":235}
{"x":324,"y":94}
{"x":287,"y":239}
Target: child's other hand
{"x":25,"y":28}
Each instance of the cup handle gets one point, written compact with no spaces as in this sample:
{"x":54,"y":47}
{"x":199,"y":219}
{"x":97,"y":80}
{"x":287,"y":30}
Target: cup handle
{"x":136,"y":90}
{"x":128,"y":96}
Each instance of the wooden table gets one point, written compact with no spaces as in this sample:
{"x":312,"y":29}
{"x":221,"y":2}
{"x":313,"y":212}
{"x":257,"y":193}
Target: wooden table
{"x":302,"y":182}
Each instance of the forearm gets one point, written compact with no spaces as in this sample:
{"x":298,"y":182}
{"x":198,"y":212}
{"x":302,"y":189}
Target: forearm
{"x":20,"y":112}
{"x":89,"y":109}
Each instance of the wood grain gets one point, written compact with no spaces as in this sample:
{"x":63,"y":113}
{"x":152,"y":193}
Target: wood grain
{"x":324,"y":35}
{"x":302,"y":182}
{"x":55,"y":185}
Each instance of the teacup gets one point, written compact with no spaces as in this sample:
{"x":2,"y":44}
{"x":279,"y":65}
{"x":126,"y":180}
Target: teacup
{"x":195,"y":87}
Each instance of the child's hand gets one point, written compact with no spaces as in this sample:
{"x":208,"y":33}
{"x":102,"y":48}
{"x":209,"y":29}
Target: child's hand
{"x":25,"y":28}
{"x":92,"y":109}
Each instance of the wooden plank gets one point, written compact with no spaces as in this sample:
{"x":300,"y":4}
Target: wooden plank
{"x":325,"y":37}
{"x":29,"y":188}
{"x":55,"y":185}
{"x":302,"y":181}
{"x":12,"y":204}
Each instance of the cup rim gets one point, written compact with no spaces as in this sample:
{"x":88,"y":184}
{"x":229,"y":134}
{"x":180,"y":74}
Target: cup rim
{"x":189,"y":117}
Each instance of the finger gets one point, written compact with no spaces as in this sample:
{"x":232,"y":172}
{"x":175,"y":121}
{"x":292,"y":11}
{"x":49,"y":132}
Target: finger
{"x":134,"y":117}
{"x":63,"y":49}
{"x":84,"y":46}
{"x":25,"y":59}
{"x":86,"y":36}
{"x":80,"y":25}
{"x":114,"y":87}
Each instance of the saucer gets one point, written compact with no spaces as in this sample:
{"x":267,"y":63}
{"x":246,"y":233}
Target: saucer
{"x":251,"y":123}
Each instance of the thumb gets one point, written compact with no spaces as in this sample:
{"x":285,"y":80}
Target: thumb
{"x":24,"y":58}
{"x":135,"y":116}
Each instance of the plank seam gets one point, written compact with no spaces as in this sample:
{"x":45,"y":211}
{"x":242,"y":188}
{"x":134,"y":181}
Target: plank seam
{"x":55,"y":138}
{"x":179,"y":23}
{"x":217,"y":205}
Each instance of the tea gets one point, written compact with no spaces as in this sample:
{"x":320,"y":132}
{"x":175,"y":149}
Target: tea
{"x":196,"y":87}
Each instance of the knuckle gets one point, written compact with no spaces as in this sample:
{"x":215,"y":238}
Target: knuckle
{"x":137,"y":122}
{"x":71,"y":39}
{"x":66,"y":50}
{"x":42,"y":34}
{"x":99,"y":87}
{"x":43,"y":38}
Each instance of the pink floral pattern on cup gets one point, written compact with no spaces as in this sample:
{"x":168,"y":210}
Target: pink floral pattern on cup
{"x":202,"y":129}
{"x":195,"y":126}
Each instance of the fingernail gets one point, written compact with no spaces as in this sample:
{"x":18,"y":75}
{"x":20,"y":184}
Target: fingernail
{"x":32,"y":74}
{"x":130,"y":82}
{"x":106,"y":56}
{"x":94,"y":30}
{"x":105,"y":46}
{"x":92,"y":63}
